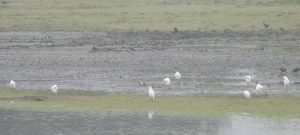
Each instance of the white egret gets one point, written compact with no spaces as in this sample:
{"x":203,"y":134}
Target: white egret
{"x":248,"y":79}
{"x":259,"y":88}
{"x":12,"y":84}
{"x":54,"y":89}
{"x":167,"y":81}
{"x":246,"y":94}
{"x":286,"y":82}
{"x":177,"y":75}
{"x":151,"y":93}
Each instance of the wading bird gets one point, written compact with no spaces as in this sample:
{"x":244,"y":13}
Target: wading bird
{"x":167,"y":81}
{"x":259,"y":88}
{"x":54,"y":89}
{"x":246,"y":94}
{"x":12,"y":84}
{"x":286,"y":82}
{"x":266,"y":25}
{"x":151,"y":93}
{"x":248,"y":80}
{"x":177,"y":75}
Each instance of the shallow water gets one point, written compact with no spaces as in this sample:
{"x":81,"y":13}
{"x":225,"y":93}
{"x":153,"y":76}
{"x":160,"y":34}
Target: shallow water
{"x":14,"y":122}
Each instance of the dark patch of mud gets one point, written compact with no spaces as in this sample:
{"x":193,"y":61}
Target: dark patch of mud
{"x":210,"y":61}
{"x":137,"y":40}
{"x":27,"y":98}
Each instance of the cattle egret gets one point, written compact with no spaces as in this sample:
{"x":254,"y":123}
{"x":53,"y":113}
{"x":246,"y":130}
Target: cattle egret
{"x":12,"y":84}
{"x":177,"y":75}
{"x":151,"y":93}
{"x":54,"y":89}
{"x":286,"y":82}
{"x":246,"y":94}
{"x":248,"y":79}
{"x":259,"y":88}
{"x":167,"y":81}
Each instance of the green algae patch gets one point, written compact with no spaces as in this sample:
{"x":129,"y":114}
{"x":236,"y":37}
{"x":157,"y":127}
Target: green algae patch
{"x":279,"y":105}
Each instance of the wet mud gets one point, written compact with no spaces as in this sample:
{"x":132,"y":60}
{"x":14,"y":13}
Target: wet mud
{"x":129,"y":61}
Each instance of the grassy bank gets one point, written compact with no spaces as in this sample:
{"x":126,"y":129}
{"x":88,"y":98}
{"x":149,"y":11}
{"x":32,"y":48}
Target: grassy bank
{"x":206,"y":104}
{"x":105,"y":15}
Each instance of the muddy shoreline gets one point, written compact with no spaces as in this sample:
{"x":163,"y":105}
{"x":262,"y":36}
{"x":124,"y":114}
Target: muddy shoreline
{"x":119,"y":61}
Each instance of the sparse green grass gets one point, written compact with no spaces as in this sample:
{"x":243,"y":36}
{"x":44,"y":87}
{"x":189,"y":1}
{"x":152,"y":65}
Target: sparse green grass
{"x":285,"y":48}
{"x":290,"y":48}
{"x":192,"y":105}
{"x":105,"y":15}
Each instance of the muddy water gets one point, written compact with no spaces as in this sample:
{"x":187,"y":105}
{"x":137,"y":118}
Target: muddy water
{"x":71,"y":123}
{"x":120,"y":62}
